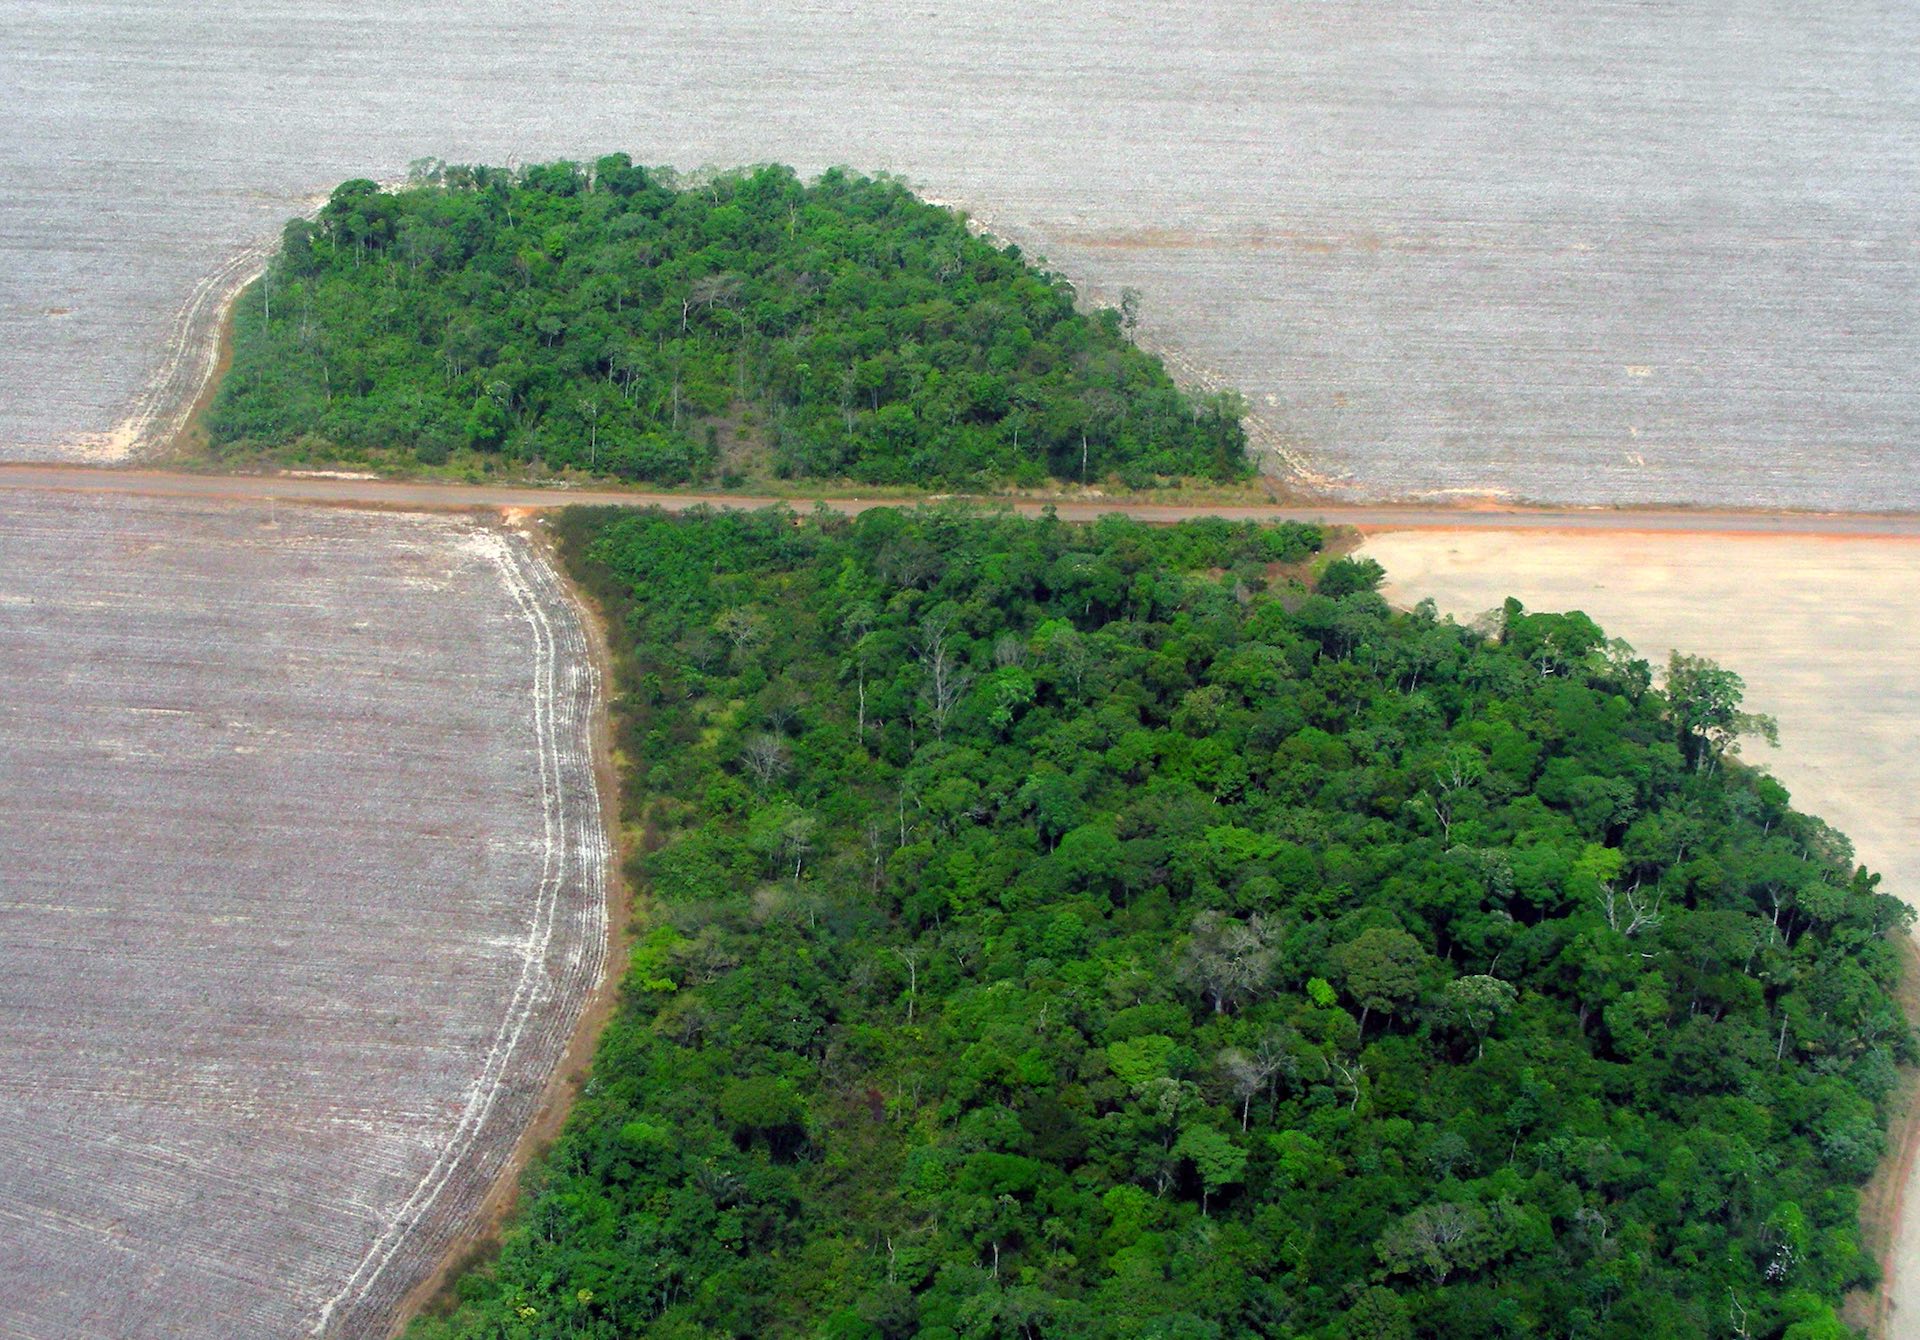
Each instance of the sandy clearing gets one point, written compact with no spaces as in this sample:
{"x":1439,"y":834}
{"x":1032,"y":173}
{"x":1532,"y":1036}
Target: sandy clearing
{"x":1826,"y":633}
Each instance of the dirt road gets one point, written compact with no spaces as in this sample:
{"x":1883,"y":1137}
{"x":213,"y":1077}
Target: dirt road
{"x":1398,"y":517}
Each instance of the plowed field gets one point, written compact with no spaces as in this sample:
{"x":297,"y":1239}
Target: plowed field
{"x":302,"y":888}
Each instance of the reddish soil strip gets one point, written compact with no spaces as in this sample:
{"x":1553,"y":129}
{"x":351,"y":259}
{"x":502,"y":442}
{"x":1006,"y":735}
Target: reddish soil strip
{"x":438,"y":495}
{"x":1885,"y":1199}
{"x":481,"y":1234}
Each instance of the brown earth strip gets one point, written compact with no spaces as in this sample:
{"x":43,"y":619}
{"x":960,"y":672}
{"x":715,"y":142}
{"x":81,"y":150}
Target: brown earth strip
{"x":481,"y":1238}
{"x":1884,"y":1199}
{"x":439,"y":495}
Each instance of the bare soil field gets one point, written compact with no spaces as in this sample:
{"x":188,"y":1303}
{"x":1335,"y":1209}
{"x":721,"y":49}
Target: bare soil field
{"x":1826,"y":633}
{"x":302,"y":890}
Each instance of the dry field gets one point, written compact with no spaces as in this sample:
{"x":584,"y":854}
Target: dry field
{"x":1826,"y":633}
{"x":302,"y":888}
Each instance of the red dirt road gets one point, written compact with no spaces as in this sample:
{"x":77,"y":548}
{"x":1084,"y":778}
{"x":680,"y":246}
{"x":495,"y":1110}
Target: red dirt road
{"x":311,"y":488}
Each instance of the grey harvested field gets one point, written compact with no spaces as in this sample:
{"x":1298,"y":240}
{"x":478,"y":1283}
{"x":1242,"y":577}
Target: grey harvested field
{"x":1595,"y":251}
{"x":301,"y":892}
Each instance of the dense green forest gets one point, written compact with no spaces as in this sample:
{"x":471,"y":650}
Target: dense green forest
{"x":612,"y":321}
{"x":1094,"y":931}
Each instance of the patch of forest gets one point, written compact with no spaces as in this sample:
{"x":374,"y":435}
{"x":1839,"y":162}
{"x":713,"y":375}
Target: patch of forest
{"x":614,"y":321}
{"x":1100,"y":931}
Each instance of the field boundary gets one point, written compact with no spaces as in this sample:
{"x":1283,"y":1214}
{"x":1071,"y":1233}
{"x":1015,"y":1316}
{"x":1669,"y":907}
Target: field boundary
{"x":565,"y":948}
{"x":176,"y":390}
{"x":480,"y":1237}
{"x":1885,"y":1201}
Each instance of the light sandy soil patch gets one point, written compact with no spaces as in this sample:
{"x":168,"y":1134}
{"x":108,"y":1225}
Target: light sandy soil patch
{"x":1826,"y":633}
{"x":301,"y":892}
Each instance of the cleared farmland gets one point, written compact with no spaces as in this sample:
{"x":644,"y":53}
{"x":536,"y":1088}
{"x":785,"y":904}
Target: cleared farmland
{"x":302,"y":890}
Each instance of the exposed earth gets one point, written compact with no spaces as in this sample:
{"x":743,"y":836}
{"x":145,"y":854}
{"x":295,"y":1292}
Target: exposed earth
{"x":256,"y":1079}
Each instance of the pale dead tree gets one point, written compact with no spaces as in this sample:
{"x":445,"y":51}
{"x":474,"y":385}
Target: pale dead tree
{"x":862,"y":651}
{"x":1737,"y":1317}
{"x":707,"y":292}
{"x":1347,"y":1077}
{"x":1629,"y":905}
{"x":590,"y":411}
{"x":1784,"y":1256}
{"x":947,"y":677}
{"x":857,"y":625}
{"x":744,"y":628}
{"x":900,"y":798}
{"x":1009,"y":651}
{"x":1249,"y":1072}
{"x":1439,"y":1239}
{"x":1227,"y":960}
{"x":911,"y":957}
{"x":1458,"y":772}
{"x":796,"y":840}
{"x":1643,"y":914}
{"x":1278,"y":1055}
{"x":765,"y":756}
{"x":876,"y":836}
{"x":1594,"y":1223}
{"x":1244,"y":1079}
{"x":1610,"y":904}
{"x":628,"y":364}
